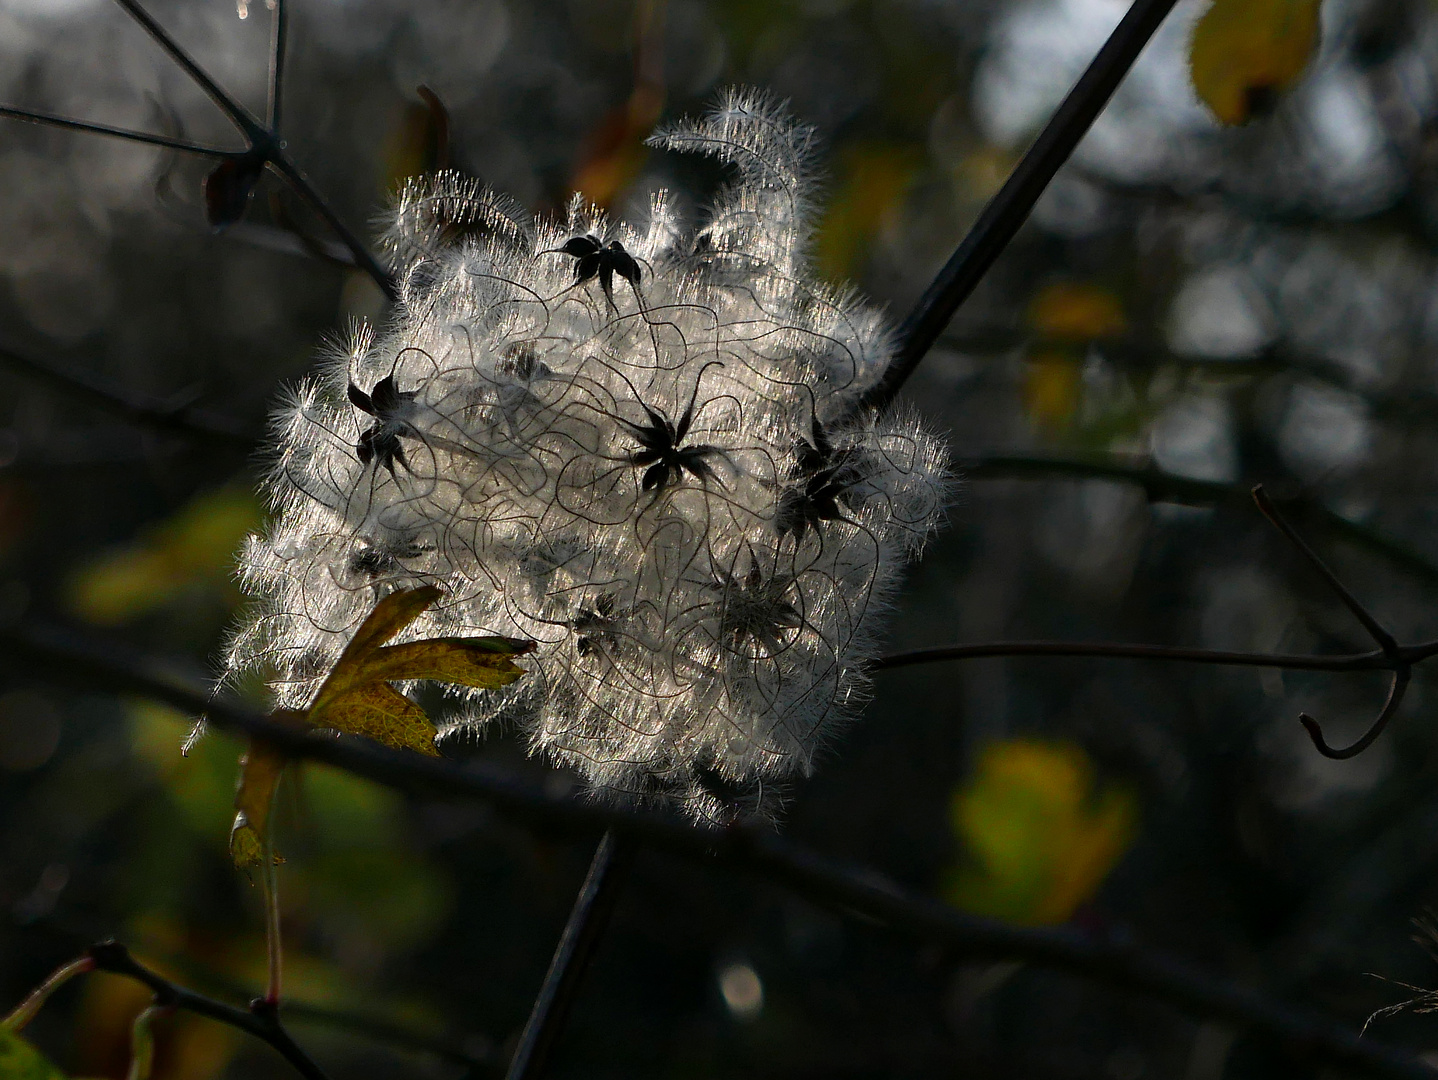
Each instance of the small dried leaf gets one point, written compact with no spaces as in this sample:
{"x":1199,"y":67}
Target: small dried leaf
{"x":260,"y":770}
{"x":419,"y":143}
{"x":357,"y":698}
{"x":1245,"y":52}
{"x":229,"y":187}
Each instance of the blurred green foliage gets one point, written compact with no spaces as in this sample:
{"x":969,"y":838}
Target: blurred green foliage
{"x":186,"y":559}
{"x":1039,"y":832}
{"x":21,"y":1061}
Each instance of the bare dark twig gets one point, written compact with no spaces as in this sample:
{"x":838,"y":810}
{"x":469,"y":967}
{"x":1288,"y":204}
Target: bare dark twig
{"x":1375,"y":630}
{"x":1351,"y":662}
{"x":1400,"y":662}
{"x":237,"y":113}
{"x":147,"y":412}
{"x":279,"y":41}
{"x":1010,"y":208}
{"x":587,"y":922}
{"x":261,"y":1020}
{"x":51,"y":120}
{"x":854,"y":892}
{"x":1395,"y":655}
{"x":1166,"y":487}
{"x":263,"y":143}
{"x":1389,"y":656}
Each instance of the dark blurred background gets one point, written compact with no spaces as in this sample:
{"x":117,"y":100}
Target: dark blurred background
{"x":1229,"y":305}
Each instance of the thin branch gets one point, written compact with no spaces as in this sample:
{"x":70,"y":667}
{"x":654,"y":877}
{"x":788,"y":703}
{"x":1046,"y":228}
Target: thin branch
{"x":1375,"y":629}
{"x":266,"y":140}
{"x":254,"y":133}
{"x":281,"y":163}
{"x":263,"y":142}
{"x":1349,"y":662}
{"x":854,"y":892}
{"x":279,"y":41}
{"x":1166,"y":487}
{"x":30,"y":117}
{"x":386,"y":1031}
{"x":1396,"y":691}
{"x":1010,"y":208}
{"x":587,"y":921}
{"x":146,"y":412}
{"x":1395,"y":654}
{"x":379,"y":1029}
{"x":261,"y":1020}
{"x":1389,"y":656}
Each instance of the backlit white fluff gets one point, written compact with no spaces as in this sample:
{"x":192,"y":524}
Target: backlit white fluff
{"x":703,"y":618}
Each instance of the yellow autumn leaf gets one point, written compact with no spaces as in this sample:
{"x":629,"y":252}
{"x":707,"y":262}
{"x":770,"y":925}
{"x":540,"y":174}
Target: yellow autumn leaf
{"x":1052,"y":389}
{"x":357,"y":698}
{"x":1076,"y":311}
{"x":1245,"y":52}
{"x":869,"y":194}
{"x":1039,"y":834}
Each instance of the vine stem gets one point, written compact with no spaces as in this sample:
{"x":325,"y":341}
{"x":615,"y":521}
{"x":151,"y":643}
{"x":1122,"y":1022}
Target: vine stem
{"x":1010,"y":208}
{"x":261,"y":1019}
{"x":23,"y":1013}
{"x":274,"y":949}
{"x":859,"y":893}
{"x":587,"y":922}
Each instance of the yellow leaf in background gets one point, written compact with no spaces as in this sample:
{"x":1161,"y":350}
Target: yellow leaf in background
{"x":1039,"y":836}
{"x":356,"y":698}
{"x":21,"y":1061}
{"x":1053,"y":389}
{"x":1076,"y":311}
{"x":1245,"y":52}
{"x":615,"y":151}
{"x":870,"y":191}
{"x":195,"y":547}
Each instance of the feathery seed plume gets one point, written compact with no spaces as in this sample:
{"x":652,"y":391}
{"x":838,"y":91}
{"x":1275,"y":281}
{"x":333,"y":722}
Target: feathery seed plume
{"x":636,"y":446}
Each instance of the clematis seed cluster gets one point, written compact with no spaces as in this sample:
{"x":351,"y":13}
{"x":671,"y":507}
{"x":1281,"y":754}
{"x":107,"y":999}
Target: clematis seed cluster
{"x":638,"y":446}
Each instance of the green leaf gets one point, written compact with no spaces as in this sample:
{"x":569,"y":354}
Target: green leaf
{"x":21,"y":1061}
{"x":1245,"y":52}
{"x":357,"y":698}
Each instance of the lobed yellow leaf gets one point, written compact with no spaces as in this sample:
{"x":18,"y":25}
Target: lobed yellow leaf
{"x":483,"y":663}
{"x":380,"y":712}
{"x":357,"y":698}
{"x":1244,"y":52}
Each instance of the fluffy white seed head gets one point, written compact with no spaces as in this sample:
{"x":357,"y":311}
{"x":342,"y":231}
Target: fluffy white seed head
{"x":636,"y":446}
